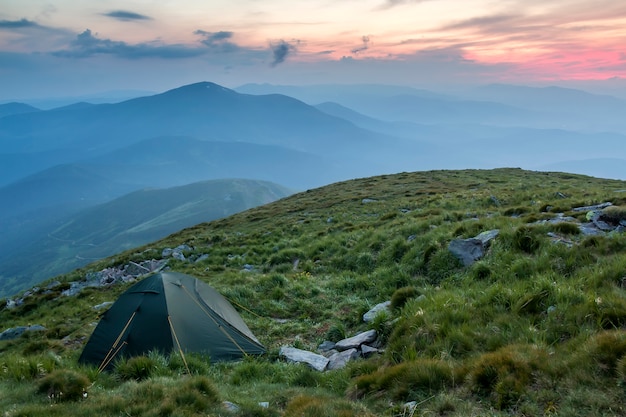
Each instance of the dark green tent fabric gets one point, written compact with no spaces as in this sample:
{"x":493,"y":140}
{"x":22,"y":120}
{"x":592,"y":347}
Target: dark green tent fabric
{"x":166,"y":312}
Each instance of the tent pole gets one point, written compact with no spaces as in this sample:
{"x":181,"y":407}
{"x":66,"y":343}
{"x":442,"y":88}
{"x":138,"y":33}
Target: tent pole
{"x":182,"y":355}
{"x":106,"y":363}
{"x":119,"y":337}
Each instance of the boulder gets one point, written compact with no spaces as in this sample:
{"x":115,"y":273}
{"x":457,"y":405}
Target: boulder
{"x":355,"y":342}
{"x":467,"y":251}
{"x":470,"y":250}
{"x":315,"y":361}
{"x":381,"y":308}
{"x":340,"y":359}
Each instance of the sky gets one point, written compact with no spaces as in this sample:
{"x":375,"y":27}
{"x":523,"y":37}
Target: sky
{"x":60,"y":48}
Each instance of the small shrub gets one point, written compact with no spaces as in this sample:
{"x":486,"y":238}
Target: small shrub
{"x":402,"y":295}
{"x":503,"y":375}
{"x":613,"y":214}
{"x":526,"y":240}
{"x":136,"y":368}
{"x":63,"y":385}
{"x":481,"y":271}
{"x":606,"y":350}
{"x":441,"y":266}
{"x":408,"y":380}
{"x":308,"y":406}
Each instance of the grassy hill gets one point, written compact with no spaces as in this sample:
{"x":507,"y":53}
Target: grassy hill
{"x":536,"y":327}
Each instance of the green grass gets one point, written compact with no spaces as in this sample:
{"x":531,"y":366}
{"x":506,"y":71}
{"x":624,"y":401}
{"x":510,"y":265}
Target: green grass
{"x":536,"y":327}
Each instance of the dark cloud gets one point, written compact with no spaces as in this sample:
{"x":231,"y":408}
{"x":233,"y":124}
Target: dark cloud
{"x":281,"y":50}
{"x":17,"y":24}
{"x":126,"y":16}
{"x":218,"y":41}
{"x":87,"y":44}
{"x":366,"y":40}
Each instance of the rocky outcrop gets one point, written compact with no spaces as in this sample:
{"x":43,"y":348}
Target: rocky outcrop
{"x":334,"y":355}
{"x":15,"y":332}
{"x":470,"y":250}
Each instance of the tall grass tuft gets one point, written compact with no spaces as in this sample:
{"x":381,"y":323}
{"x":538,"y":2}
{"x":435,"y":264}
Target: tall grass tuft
{"x":63,"y":385}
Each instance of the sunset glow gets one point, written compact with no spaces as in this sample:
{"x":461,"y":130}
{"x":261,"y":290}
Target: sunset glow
{"x":238,"y":41}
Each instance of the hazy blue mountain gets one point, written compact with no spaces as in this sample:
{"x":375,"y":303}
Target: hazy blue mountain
{"x":127,"y":222}
{"x":114,"y":96}
{"x":177,"y":160}
{"x":8,"y":109}
{"x":205,"y":111}
{"x":70,"y":186}
{"x":570,"y":108}
{"x":396,"y":103}
{"x":319,"y":93}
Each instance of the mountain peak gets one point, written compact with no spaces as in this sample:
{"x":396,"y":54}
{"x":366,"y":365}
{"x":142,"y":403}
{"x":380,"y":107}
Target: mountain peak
{"x":204,"y":87}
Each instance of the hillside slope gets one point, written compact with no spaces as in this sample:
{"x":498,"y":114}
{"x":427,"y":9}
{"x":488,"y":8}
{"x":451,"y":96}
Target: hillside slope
{"x":534,"y":327}
{"x":123,"y":223}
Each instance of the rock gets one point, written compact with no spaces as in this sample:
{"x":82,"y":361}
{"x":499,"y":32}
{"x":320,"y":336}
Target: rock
{"x":368,"y":200}
{"x":487,"y":236}
{"x":232,"y":407}
{"x":470,"y":250}
{"x":103,"y":305}
{"x":409,"y":408}
{"x":467,"y":251}
{"x":329,"y":353}
{"x":593,"y":208}
{"x":340,"y":359}
{"x":326,"y":346}
{"x":356,"y":341}
{"x":315,"y":361}
{"x":15,"y":332}
{"x":167,"y":252}
{"x":382,"y":308}
{"x":367,"y":351}
{"x":589,"y":229}
{"x":178,"y":256}
{"x":202,"y":257}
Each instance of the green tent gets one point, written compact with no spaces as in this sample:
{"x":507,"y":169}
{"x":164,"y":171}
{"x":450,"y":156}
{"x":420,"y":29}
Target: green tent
{"x":166,"y":312}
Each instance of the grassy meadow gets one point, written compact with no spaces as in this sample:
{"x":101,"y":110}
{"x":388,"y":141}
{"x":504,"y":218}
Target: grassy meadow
{"x":535,"y":328}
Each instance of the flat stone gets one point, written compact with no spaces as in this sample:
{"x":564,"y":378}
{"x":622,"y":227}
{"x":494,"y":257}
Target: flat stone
{"x":315,"y":361}
{"x":356,"y":341}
